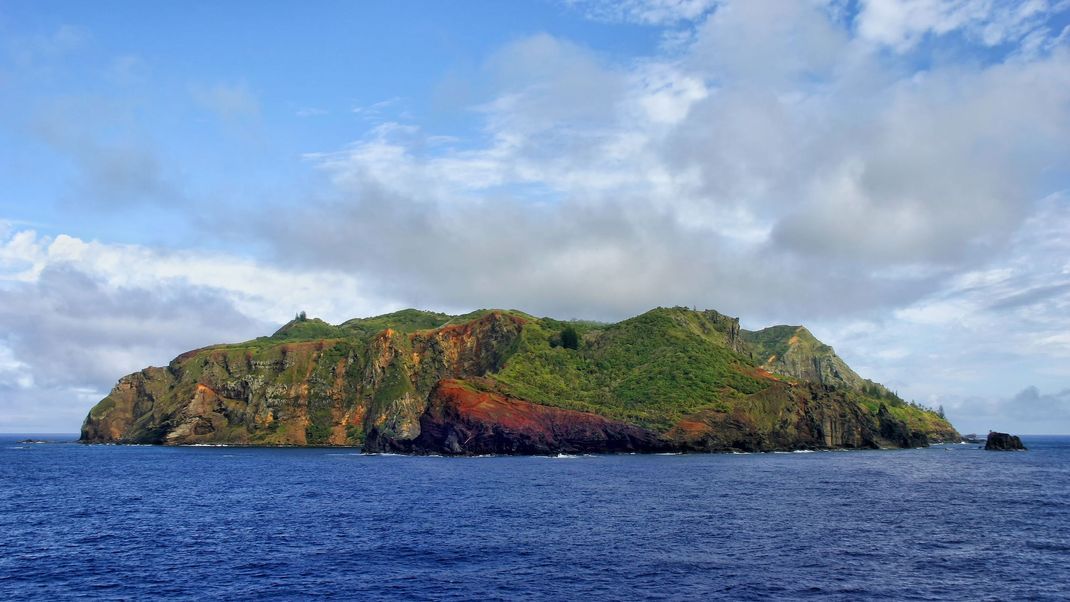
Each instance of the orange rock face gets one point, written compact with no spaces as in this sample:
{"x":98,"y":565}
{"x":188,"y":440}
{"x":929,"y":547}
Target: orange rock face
{"x":461,"y":418}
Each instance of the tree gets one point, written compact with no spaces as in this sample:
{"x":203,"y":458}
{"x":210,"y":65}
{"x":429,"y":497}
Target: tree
{"x":940,"y":411}
{"x":301,"y":316}
{"x":570,"y":339}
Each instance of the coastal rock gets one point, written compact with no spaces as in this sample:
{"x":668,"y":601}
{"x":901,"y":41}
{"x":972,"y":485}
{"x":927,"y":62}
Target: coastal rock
{"x":463,"y":418}
{"x":1003,"y":442}
{"x":787,"y":417}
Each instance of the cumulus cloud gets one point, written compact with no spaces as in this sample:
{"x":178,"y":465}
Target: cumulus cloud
{"x":75,"y":315}
{"x":68,"y":336}
{"x":71,"y":328}
{"x":970,"y":343}
{"x":778,"y":168}
{"x":902,"y":24}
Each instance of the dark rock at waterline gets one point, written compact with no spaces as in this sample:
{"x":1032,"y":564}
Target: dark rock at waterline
{"x":1003,"y":442}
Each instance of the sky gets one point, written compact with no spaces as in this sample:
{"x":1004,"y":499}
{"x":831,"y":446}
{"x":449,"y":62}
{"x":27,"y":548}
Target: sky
{"x":895,"y":175}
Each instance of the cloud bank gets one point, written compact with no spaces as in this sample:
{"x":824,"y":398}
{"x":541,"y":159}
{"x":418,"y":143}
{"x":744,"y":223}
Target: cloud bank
{"x":76,"y":315}
{"x":785,"y":165}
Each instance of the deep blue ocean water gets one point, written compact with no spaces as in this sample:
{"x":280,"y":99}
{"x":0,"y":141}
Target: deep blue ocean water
{"x":132,"y":522}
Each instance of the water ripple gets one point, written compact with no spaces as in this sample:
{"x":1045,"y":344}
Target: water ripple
{"x":120,"y":522}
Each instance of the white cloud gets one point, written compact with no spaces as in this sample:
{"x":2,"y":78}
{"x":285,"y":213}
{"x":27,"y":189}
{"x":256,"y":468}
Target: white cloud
{"x":76,"y":315}
{"x":666,"y":95}
{"x":377,"y":111}
{"x":901,"y":24}
{"x":255,"y":289}
{"x":981,"y":335}
{"x":777,"y":168}
{"x":644,"y":12}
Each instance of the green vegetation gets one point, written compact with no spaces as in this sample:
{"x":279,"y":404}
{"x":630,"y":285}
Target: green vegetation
{"x":569,"y":338}
{"x":318,"y":433}
{"x":305,"y":329}
{"x":772,"y":341}
{"x":406,"y":320}
{"x":651,"y":370}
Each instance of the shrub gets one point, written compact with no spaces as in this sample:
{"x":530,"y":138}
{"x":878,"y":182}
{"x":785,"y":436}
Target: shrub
{"x":570,"y":339}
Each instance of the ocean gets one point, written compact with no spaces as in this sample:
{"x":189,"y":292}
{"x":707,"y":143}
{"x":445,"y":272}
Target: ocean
{"x":214,"y":523}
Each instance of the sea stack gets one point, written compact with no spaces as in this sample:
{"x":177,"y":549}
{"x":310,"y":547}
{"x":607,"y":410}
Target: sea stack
{"x":1003,"y":442}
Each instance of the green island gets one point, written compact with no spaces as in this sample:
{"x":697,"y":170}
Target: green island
{"x":503,"y":381}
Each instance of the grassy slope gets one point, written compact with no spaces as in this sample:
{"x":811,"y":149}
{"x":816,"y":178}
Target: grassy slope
{"x":656,"y":368}
{"x":651,"y":370}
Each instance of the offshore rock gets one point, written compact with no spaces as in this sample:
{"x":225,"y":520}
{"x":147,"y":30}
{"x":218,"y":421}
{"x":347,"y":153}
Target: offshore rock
{"x":1003,"y":442}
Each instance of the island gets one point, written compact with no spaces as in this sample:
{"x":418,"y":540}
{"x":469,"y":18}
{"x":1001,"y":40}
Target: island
{"x":506,"y":382}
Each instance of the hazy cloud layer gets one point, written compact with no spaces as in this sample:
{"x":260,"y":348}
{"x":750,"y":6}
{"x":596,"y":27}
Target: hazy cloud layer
{"x":110,"y":168}
{"x":228,"y":101}
{"x":69,"y":336}
{"x":75,"y":316}
{"x":903,"y":24}
{"x":786,"y":166}
{"x":981,"y":336}
{"x":1028,"y":411}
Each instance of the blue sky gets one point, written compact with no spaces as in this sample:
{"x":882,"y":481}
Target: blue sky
{"x":893,"y":174}
{"x":225,"y":99}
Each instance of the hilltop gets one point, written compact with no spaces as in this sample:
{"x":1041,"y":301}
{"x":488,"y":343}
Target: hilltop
{"x":503,"y":381}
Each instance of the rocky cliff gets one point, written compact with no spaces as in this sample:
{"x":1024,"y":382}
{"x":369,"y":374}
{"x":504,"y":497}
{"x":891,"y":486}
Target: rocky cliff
{"x":501,"y":382}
